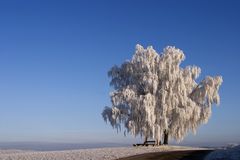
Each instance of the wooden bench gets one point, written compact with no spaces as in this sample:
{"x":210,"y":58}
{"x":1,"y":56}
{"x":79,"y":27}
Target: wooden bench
{"x":146,"y":143}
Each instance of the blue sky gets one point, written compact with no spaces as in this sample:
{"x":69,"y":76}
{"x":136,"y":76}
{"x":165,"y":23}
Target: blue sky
{"x":54,"y":58}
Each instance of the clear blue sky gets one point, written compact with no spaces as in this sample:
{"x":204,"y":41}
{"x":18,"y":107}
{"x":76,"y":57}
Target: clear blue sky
{"x":54,"y":58}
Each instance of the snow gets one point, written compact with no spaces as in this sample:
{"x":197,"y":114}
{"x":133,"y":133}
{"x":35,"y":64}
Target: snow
{"x":87,"y":154}
{"x":154,"y":95}
{"x":231,"y":152}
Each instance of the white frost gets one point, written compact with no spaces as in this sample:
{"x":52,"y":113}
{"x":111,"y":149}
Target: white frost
{"x":153,"y":94}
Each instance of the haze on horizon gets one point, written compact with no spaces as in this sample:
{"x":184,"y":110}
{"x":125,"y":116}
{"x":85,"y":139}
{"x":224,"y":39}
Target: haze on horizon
{"x":55,"y":55}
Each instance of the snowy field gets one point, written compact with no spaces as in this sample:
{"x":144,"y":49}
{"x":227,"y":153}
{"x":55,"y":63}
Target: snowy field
{"x":87,"y":154}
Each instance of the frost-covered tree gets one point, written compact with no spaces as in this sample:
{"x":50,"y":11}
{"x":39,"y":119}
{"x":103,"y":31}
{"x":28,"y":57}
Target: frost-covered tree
{"x":154,"y":97}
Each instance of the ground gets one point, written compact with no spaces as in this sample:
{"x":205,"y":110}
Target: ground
{"x":95,"y":154}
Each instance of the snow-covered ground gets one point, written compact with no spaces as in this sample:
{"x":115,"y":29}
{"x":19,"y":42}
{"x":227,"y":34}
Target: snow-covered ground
{"x":230,"y":152}
{"x":87,"y":154}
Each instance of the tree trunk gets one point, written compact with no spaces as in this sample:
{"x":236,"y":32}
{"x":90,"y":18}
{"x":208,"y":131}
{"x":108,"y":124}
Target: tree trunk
{"x":165,"y":139}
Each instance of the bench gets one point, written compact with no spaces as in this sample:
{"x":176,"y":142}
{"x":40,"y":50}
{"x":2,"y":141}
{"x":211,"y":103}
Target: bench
{"x":146,"y":143}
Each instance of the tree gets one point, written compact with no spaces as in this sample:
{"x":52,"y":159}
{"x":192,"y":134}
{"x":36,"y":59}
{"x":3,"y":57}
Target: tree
{"x":154,"y":97}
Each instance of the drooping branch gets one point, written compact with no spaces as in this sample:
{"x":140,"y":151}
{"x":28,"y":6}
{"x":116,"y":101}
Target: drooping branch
{"x":153,"y":94}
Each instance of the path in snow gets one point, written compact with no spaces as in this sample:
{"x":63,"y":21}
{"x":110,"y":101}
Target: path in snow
{"x":89,"y":154}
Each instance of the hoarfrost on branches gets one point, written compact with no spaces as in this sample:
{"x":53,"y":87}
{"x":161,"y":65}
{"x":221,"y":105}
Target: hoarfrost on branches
{"x":153,"y":95}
